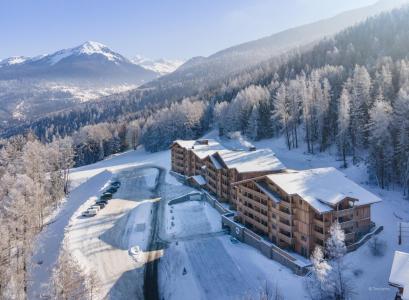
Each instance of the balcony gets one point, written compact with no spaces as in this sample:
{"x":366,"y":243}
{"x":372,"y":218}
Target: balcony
{"x":346,"y":223}
{"x":344,"y":212}
{"x":285,"y":226}
{"x":285,"y":215}
{"x":319,"y":235}
{"x":288,"y":239}
{"x":259,"y":214}
{"x":256,"y":224}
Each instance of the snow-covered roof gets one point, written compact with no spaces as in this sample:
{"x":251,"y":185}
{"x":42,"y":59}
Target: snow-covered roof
{"x":251,"y":161}
{"x":188,"y":144}
{"x":202,"y":148}
{"x":322,"y":188}
{"x":216,"y":162}
{"x":400,"y":272}
{"x":270,"y":193}
{"x":199,"y":179}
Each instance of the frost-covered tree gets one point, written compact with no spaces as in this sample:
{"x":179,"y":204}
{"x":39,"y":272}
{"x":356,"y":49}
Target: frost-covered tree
{"x":220,"y":111}
{"x":341,"y":287}
{"x":380,"y":142}
{"x":319,"y":284}
{"x":343,"y":123}
{"x":252,"y":124}
{"x":281,"y":112}
{"x":401,"y":126}
{"x":360,"y":102}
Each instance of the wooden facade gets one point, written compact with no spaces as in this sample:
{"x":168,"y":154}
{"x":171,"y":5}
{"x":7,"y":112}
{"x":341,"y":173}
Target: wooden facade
{"x":287,"y":220}
{"x":291,"y":222}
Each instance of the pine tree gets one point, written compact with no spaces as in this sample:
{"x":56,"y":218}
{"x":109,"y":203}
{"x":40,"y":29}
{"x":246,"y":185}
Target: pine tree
{"x":380,"y":141}
{"x":344,"y":124}
{"x":252,"y":124}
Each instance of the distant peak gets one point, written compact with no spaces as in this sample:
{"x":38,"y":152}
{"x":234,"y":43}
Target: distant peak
{"x":93,"y":47}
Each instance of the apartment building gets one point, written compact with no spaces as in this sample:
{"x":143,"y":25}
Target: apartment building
{"x":210,"y":165}
{"x":225,"y":167}
{"x":187,"y":156}
{"x":295,"y":209}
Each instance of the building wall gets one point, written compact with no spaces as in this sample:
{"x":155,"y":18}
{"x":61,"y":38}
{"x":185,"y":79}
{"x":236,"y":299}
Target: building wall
{"x":292,"y":223}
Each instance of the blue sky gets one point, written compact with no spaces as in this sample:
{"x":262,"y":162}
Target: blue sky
{"x":153,"y":28}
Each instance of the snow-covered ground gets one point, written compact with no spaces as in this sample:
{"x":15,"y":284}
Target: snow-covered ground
{"x":372,"y":273}
{"x":199,"y":260}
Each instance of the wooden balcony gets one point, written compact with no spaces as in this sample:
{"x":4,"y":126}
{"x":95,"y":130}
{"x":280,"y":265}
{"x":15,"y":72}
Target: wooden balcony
{"x":285,"y":226}
{"x":347,"y":224}
{"x":319,"y":235}
{"x":253,"y":192}
{"x":344,"y":212}
{"x":255,"y":213}
{"x":285,"y":238}
{"x":252,"y":201}
{"x":285,"y":215}
{"x":256,"y":224}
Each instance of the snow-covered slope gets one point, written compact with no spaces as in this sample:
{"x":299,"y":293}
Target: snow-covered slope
{"x":161,"y":66}
{"x":14,"y":60}
{"x":91,"y":61}
{"x":240,"y":57}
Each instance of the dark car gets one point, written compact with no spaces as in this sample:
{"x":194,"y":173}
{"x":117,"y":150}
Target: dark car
{"x":101,"y":201}
{"x":106,"y":197}
{"x":116,"y":184}
{"x":101,"y":204}
{"x":112,"y":190}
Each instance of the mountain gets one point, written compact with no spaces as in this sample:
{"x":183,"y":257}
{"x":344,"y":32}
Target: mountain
{"x":91,"y":62}
{"x":161,"y":66}
{"x":200,"y":71}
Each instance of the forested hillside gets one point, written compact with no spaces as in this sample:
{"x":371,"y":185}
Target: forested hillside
{"x":350,"y":91}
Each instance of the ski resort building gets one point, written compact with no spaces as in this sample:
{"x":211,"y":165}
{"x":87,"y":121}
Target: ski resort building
{"x":210,"y":165}
{"x":399,"y":276}
{"x":295,"y":209}
{"x":292,"y":209}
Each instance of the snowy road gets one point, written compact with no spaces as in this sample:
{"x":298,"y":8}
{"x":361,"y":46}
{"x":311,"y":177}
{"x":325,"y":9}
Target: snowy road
{"x":102,"y":244}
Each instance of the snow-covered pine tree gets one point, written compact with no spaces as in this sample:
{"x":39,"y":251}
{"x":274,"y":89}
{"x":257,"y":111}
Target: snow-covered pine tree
{"x":401,"y":126}
{"x":343,"y":137}
{"x":252,"y":124}
{"x":360,"y":103}
{"x":380,"y":141}
{"x":281,"y":112}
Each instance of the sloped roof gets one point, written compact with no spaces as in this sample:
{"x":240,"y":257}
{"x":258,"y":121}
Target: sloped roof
{"x":251,"y":161}
{"x":202,"y":150}
{"x":400,"y":272}
{"x":199,"y":179}
{"x":322,"y":188}
{"x":185,"y":143}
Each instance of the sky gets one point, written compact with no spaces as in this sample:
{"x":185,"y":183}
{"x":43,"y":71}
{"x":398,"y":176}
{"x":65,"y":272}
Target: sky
{"x":177,"y":29}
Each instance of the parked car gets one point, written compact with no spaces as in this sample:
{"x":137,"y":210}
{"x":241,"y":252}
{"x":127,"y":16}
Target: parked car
{"x":112,"y":190}
{"x":116,"y":184}
{"x":104,"y":201}
{"x":100,"y":204}
{"x":89,"y":213}
{"x":95,"y":207}
{"x":107,"y":196}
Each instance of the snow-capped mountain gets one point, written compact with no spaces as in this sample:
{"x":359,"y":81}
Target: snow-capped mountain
{"x":161,"y":66}
{"x":91,"y":61}
{"x":13,"y":60}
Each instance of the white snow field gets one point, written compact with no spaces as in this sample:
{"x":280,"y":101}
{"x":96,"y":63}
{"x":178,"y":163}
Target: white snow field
{"x":198,"y":261}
